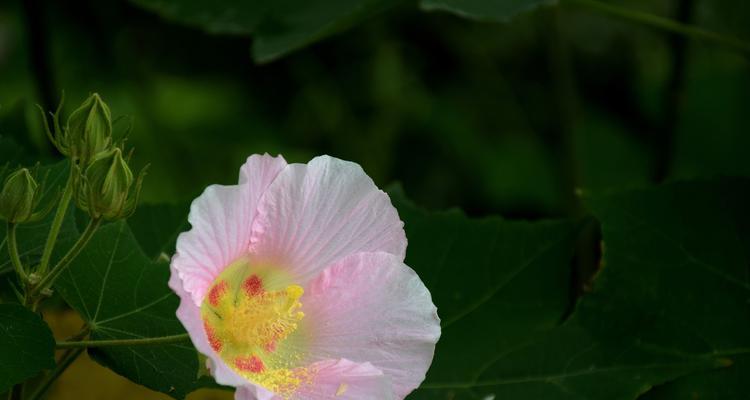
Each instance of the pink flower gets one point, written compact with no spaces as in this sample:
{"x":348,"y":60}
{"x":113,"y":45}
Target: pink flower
{"x":293,"y":284}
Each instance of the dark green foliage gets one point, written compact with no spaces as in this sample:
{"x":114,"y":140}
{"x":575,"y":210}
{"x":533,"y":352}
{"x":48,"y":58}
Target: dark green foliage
{"x":26,"y":345}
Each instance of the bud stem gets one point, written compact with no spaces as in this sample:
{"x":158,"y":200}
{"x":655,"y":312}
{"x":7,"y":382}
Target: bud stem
{"x":13,"y":252}
{"x":182,"y":337}
{"x":54,"y":230}
{"x":49,"y":279}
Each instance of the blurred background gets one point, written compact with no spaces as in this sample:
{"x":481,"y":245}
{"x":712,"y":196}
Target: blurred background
{"x":511,"y":119}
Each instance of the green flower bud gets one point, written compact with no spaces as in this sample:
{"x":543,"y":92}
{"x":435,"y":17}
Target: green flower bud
{"x":19,"y":197}
{"x":107,"y":190}
{"x":87,"y":133}
{"x":89,"y":129}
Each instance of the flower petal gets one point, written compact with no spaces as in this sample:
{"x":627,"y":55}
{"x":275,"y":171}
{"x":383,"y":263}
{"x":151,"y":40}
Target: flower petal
{"x":221,"y":218}
{"x":315,"y":214}
{"x":370,"y":307}
{"x":346,"y":380}
{"x":253,"y":392}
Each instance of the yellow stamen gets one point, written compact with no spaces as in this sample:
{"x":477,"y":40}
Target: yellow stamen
{"x":249,"y":324}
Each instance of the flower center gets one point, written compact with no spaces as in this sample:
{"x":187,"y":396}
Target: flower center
{"x":250,"y":319}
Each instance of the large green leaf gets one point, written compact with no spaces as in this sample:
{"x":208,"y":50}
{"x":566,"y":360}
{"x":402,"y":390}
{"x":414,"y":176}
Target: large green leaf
{"x":156,"y":227}
{"x":497,"y":285}
{"x":501,"y":292}
{"x":122,"y":294}
{"x":485,"y":10}
{"x":679,"y":255}
{"x":26,"y":345}
{"x":278,"y":27}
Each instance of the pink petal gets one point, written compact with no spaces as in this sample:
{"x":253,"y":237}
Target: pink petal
{"x":313,"y":215}
{"x":253,"y":392}
{"x":221,"y":218}
{"x":370,"y":307}
{"x":346,"y":380}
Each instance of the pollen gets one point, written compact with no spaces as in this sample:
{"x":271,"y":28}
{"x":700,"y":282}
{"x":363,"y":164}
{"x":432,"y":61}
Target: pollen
{"x":342,"y":389}
{"x":249,"y":318}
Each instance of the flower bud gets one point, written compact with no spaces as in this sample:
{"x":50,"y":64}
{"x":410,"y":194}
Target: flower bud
{"x":89,"y":130}
{"x":19,"y":198}
{"x":107,"y":188}
{"x":87,"y":133}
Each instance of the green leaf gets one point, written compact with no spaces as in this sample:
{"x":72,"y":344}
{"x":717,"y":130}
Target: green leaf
{"x":496,"y":283}
{"x":485,"y":10}
{"x":501,"y":288}
{"x":278,"y":27}
{"x":26,"y":345}
{"x":156,"y":227}
{"x":121,"y":294}
{"x":678,"y":255}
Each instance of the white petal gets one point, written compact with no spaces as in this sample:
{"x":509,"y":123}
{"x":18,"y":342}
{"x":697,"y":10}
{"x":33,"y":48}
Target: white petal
{"x":315,"y":214}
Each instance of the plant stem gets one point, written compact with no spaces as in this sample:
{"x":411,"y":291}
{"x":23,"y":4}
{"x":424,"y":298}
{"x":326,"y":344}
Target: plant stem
{"x":673,"y":94}
{"x":124,"y":342}
{"x":50,"y":278}
{"x":67,"y":359}
{"x":664,"y":24}
{"x":16,"y":393}
{"x":54,"y":230}
{"x":13,"y":252}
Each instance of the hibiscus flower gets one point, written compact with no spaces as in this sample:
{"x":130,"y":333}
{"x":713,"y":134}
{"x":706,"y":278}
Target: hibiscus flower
{"x":293,"y":284}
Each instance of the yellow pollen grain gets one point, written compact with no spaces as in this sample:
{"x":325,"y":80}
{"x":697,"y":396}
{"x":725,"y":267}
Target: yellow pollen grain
{"x":342,"y":389}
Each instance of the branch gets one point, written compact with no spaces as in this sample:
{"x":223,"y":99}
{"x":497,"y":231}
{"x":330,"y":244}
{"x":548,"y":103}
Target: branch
{"x":125,"y":342}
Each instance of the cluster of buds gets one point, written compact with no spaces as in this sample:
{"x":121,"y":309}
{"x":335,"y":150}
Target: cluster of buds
{"x":105,"y":186}
{"x":20,"y":196}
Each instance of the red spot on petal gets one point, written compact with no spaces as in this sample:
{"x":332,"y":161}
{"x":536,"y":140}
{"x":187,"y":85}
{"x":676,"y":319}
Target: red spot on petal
{"x":213,"y":340}
{"x":249,"y":364}
{"x":218,"y":290}
{"x":253,"y":285}
{"x":270,"y":347}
